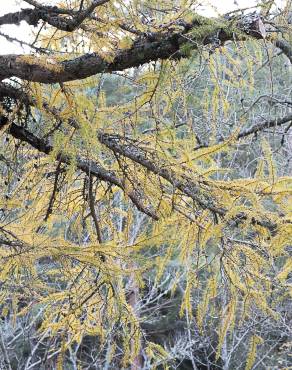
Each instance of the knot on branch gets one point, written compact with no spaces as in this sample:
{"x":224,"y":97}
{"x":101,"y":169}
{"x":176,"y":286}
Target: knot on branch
{"x":31,"y":16}
{"x":252,"y":24}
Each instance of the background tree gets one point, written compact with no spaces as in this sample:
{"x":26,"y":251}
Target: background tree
{"x":145,"y":161}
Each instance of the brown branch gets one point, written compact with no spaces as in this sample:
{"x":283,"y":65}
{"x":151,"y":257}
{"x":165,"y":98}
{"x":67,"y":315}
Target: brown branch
{"x":48,"y":8}
{"x":186,"y":185}
{"x":129,"y":148}
{"x":54,"y":192}
{"x":92,"y":209}
{"x":160,"y":45}
{"x":264,"y":125}
{"x":51,"y":15}
{"x":87,"y":166}
{"x":124,"y":147}
{"x":256,"y":128}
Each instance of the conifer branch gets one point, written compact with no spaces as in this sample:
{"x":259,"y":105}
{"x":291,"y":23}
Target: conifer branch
{"x":150,"y":47}
{"x":89,"y":167}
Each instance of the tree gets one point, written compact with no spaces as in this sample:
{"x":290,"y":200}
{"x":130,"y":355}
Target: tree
{"x":121,"y":131}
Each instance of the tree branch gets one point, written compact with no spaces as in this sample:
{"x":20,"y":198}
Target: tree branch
{"x":92,"y":209}
{"x":160,"y":45}
{"x":285,"y":47}
{"x":89,"y":167}
{"x":129,"y":149}
{"x":264,"y":125}
{"x":51,"y":15}
{"x":186,"y":185}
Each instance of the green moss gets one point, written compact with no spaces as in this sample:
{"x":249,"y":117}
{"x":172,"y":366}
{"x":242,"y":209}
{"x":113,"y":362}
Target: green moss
{"x":206,"y":27}
{"x":186,"y":49}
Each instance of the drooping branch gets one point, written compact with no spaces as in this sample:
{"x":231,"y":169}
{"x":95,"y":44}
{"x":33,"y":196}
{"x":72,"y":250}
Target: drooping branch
{"x":91,"y":168}
{"x":130,"y":149}
{"x":138,"y":155}
{"x":185,"y":184}
{"x":119,"y":145}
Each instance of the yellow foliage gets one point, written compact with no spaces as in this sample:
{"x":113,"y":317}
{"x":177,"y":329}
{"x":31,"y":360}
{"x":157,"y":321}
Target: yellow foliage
{"x":72,"y":239}
{"x":255,"y":341}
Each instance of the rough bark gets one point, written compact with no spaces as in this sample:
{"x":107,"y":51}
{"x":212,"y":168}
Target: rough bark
{"x":150,"y":47}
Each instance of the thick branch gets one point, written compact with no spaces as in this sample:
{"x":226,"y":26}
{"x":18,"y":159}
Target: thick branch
{"x":149,"y":48}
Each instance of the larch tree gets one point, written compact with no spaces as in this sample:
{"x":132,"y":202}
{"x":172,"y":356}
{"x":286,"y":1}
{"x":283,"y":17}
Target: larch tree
{"x":145,"y":159}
